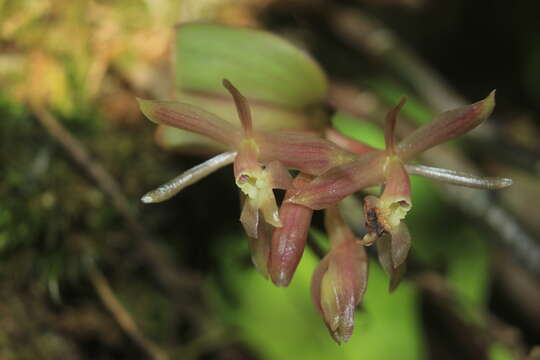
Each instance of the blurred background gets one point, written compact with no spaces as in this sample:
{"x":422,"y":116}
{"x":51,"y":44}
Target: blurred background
{"x":88,"y":272}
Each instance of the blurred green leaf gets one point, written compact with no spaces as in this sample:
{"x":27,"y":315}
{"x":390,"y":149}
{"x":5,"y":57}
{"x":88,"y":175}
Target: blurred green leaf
{"x":359,"y":129}
{"x":263,"y":66}
{"x":286,"y":88}
{"x":468,"y":273}
{"x":392,"y":93}
{"x":499,"y":352}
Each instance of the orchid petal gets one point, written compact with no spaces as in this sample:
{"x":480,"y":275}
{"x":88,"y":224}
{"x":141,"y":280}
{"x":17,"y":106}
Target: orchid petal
{"x":269,"y":208}
{"x":250,"y":218}
{"x":260,"y":248}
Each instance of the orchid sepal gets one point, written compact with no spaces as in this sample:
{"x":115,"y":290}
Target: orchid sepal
{"x":446,"y":126}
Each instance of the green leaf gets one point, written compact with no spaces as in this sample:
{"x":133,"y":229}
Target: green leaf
{"x":285,"y":87}
{"x":261,"y":65}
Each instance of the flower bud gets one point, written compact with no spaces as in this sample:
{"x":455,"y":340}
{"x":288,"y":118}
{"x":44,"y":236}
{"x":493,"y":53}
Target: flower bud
{"x":338,"y":286}
{"x":289,"y":241}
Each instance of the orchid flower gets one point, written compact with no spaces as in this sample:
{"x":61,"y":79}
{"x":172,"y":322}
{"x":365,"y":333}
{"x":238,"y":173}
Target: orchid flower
{"x":369,"y":168}
{"x":261,"y":159}
{"x":384,"y":214}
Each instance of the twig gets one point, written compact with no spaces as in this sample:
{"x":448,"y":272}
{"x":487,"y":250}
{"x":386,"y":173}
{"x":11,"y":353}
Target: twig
{"x":122,"y":316}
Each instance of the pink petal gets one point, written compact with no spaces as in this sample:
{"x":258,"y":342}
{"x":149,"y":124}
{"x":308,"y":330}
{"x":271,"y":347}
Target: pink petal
{"x":269,"y":208}
{"x":260,"y":248}
{"x":250,"y":218}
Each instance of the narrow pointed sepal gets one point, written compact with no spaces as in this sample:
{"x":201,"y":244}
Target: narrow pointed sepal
{"x":289,"y":241}
{"x":446,"y":126}
{"x":390,"y":126}
{"x":191,"y":118}
{"x":338,"y":286}
{"x":242,"y":107}
{"x":337,"y":183}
